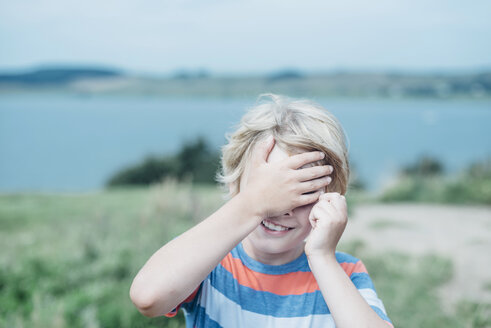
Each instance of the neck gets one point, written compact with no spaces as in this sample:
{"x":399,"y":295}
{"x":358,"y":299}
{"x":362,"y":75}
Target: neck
{"x":272,"y":258}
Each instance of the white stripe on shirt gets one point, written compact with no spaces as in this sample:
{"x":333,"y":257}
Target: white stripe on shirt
{"x":227,"y":313}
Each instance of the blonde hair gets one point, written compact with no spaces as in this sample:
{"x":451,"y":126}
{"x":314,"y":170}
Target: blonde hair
{"x":297,"y":125}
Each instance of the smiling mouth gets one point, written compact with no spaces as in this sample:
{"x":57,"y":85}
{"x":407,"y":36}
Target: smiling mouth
{"x":274,"y":227}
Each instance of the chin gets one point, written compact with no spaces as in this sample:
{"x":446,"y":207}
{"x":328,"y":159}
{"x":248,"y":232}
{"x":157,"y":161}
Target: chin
{"x":277,"y":246}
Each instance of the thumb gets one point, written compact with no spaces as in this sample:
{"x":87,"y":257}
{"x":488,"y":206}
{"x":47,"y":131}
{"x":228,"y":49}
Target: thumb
{"x":312,"y":218}
{"x":264,"y":149}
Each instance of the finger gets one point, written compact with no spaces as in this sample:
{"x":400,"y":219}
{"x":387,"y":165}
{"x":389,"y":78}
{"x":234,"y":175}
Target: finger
{"x":312,"y":217}
{"x":331,"y":195}
{"x":314,"y":172}
{"x":300,"y":160}
{"x":263,"y":149}
{"x":335,"y":200}
{"x":327,"y":205}
{"x":308,"y":199}
{"x":315,"y":214}
{"x":314,"y":185}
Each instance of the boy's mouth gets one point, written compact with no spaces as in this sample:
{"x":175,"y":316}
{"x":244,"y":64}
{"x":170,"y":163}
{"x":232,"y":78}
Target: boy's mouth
{"x":273,"y":226}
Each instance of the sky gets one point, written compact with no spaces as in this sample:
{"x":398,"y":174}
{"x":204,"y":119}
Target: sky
{"x":239,"y":36}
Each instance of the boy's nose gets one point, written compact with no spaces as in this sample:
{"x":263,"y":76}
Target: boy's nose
{"x":289,"y":213}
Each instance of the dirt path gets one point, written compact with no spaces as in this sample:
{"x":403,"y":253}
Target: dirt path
{"x":461,"y":233}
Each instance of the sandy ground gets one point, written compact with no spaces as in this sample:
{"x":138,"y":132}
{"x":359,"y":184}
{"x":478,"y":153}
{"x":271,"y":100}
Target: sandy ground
{"x":461,"y":233}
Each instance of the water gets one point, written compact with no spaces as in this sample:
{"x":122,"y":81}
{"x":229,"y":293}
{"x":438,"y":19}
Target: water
{"x":69,"y":143}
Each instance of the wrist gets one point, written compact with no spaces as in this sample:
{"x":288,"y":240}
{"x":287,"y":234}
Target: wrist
{"x":249,"y":207}
{"x":322,"y":257}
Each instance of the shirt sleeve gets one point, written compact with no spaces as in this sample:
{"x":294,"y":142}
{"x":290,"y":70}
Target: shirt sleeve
{"x":188,"y":302}
{"x":362,"y":281}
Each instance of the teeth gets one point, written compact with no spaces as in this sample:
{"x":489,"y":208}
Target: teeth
{"x":273,"y":226}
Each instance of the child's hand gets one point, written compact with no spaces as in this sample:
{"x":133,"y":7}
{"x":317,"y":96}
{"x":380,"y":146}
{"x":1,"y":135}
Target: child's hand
{"x":328,"y":219}
{"x":272,"y":189}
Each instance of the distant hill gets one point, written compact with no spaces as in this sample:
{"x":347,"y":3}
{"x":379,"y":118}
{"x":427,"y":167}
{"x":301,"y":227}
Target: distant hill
{"x":56,"y":75}
{"x":382,"y":84}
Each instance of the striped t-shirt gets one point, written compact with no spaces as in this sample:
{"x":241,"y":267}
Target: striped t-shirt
{"x":242,"y":292}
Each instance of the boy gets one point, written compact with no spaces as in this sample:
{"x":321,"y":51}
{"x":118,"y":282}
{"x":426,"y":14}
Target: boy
{"x":267,"y":257}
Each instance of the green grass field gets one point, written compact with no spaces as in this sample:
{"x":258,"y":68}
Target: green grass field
{"x":68,"y":260}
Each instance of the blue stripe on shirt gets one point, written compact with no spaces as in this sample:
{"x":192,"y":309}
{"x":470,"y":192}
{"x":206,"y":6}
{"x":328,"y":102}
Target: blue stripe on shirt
{"x":362,"y":280}
{"x":202,"y":319}
{"x":380,"y":313}
{"x":265,"y":302}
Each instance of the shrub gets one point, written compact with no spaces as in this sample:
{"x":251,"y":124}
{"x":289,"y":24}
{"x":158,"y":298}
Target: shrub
{"x":195,"y":161}
{"x":423,"y":182}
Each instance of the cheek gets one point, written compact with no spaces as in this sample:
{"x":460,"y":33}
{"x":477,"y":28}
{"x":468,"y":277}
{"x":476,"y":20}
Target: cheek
{"x":303,"y":212}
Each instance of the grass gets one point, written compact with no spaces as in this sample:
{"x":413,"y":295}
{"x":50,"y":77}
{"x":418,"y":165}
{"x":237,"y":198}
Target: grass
{"x":409,"y":287}
{"x":68,"y":260}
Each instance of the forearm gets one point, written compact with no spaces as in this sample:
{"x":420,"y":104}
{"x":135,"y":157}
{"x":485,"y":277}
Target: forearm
{"x":347,"y":306}
{"x":176,"y":270}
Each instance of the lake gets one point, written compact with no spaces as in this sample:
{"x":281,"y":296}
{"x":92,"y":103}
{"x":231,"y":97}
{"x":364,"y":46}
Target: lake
{"x":60,"y":143}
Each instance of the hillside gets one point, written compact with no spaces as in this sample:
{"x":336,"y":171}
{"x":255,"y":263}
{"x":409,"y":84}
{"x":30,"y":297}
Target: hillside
{"x":294,"y":83}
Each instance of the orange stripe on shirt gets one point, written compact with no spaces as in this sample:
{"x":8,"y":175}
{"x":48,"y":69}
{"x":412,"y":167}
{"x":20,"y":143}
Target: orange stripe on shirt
{"x":294,"y":283}
{"x":351,"y":268}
